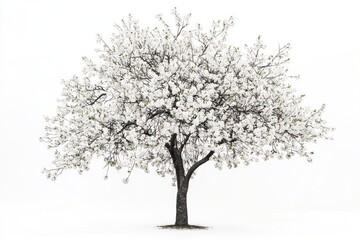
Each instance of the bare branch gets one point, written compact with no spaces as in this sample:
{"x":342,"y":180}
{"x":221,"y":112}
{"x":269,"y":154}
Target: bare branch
{"x":184,"y":142}
{"x":198,"y":164}
{"x":94,"y":101}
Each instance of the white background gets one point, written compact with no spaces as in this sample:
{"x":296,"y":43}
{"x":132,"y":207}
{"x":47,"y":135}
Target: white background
{"x":42,"y":42}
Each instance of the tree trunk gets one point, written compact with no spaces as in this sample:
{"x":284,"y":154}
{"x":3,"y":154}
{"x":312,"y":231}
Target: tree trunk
{"x":182,"y":178}
{"x":181,"y":205}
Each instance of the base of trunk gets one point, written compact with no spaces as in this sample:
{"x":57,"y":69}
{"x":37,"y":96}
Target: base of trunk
{"x":181,"y":206}
{"x":176,"y":226}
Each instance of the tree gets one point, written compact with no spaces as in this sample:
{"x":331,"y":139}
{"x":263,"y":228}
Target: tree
{"x":175,"y":98}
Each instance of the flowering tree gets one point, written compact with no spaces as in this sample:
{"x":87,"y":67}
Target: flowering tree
{"x":175,"y":97}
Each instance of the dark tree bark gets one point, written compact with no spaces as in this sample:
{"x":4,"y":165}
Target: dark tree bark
{"x":182,"y":179}
{"x":181,"y":205}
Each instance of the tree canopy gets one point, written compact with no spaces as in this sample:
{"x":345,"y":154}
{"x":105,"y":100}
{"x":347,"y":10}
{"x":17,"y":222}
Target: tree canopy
{"x":180,"y":86}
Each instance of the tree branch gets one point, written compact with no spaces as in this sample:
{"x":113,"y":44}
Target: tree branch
{"x":125,"y":126}
{"x":184,"y":142}
{"x":94,"y":101}
{"x":196,"y":165}
{"x":159,"y":112}
{"x":227,"y":141}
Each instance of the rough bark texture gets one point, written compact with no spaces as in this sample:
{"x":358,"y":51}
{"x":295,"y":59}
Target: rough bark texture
{"x":181,"y":205}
